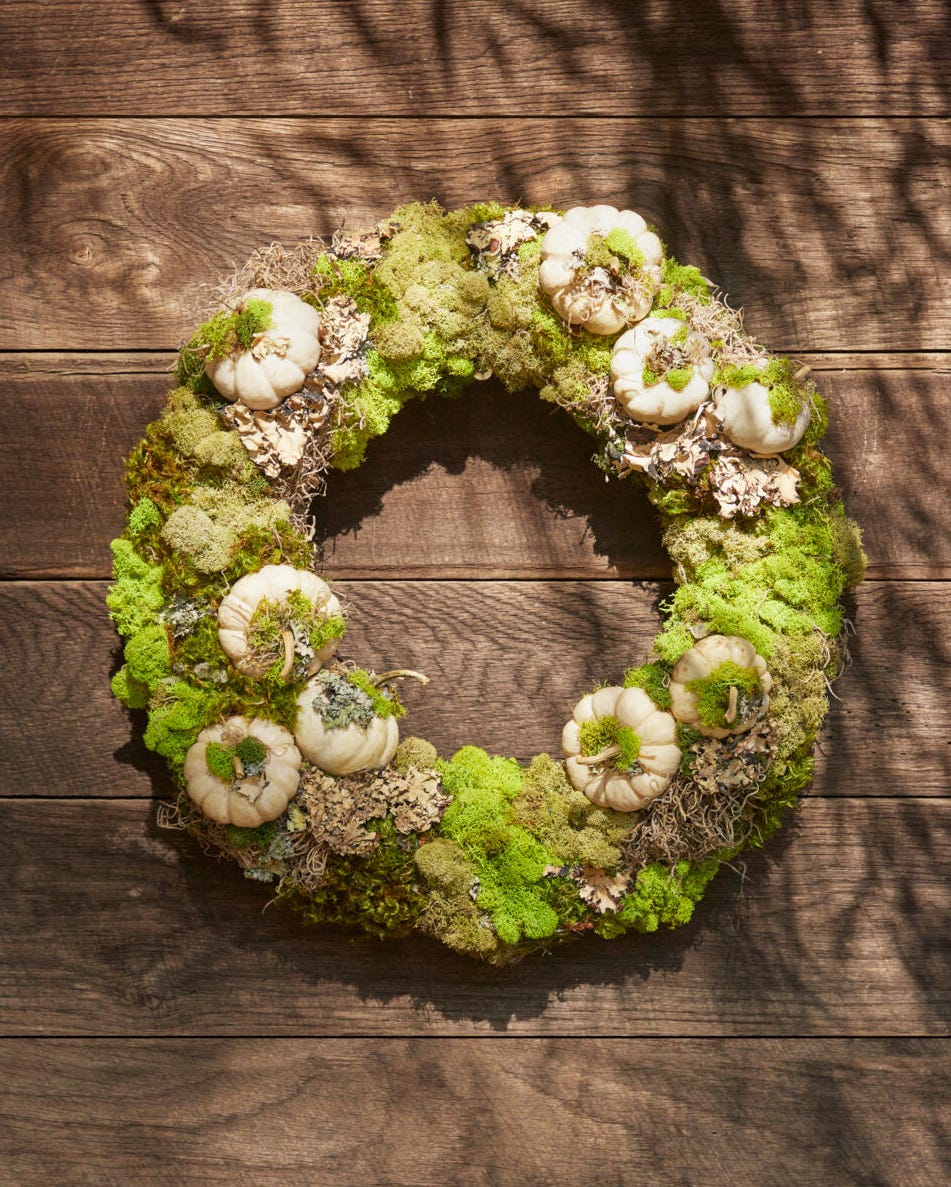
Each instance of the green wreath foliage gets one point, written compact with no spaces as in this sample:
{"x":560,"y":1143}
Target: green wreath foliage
{"x":510,"y":857}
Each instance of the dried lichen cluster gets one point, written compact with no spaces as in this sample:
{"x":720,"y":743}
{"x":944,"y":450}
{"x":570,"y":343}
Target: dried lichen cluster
{"x":288,"y":758}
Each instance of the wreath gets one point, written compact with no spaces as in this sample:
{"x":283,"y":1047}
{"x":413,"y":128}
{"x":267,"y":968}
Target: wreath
{"x":288,"y":758}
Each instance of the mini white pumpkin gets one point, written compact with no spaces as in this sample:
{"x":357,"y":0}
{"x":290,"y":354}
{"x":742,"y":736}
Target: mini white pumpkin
{"x":650,"y":344}
{"x":279,"y":358}
{"x":590,"y":298}
{"x":247,"y":800}
{"x":273,"y":582}
{"x":341,"y":750}
{"x":658,"y":759}
{"x":700,"y":662}
{"x":748,"y":420}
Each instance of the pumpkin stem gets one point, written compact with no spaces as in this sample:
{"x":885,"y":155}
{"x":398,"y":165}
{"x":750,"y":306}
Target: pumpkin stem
{"x":288,"y":638}
{"x":594,"y":759}
{"x":730,"y":715}
{"x":801,"y":373}
{"x":399,"y":674}
{"x":237,"y":767}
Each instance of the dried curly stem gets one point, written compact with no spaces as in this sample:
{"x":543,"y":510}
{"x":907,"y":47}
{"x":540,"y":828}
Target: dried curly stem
{"x":399,"y":674}
{"x":608,"y":752}
{"x":288,"y":639}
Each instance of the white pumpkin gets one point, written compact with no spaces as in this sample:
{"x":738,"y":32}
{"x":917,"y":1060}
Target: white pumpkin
{"x":273,"y":582}
{"x":279,"y":358}
{"x":589,"y":298}
{"x":341,"y":750}
{"x":246,"y":800}
{"x":748,"y":420}
{"x":700,"y":662}
{"x":650,"y":343}
{"x":658,"y":759}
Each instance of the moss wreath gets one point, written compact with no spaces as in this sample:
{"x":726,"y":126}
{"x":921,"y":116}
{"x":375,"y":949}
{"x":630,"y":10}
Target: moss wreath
{"x":289,"y":761}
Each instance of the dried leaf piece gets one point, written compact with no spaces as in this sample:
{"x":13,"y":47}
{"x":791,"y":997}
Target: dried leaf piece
{"x":494,"y":244}
{"x":740,"y":484}
{"x":343,"y":335}
{"x":600,"y":890}
{"x":737,"y":762}
{"x":338,"y":808}
{"x":695,"y":449}
{"x":366,"y":245}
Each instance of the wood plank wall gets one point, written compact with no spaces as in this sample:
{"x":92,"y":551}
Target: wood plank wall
{"x":157,"y":1025}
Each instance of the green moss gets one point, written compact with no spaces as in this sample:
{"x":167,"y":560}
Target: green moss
{"x":847,"y":551}
{"x":251,"y":751}
{"x":663,"y":896}
{"x":622,"y":244}
{"x":566,"y":823}
{"x":385,"y":703}
{"x":129,"y":691}
{"x":713,"y":693}
{"x":510,"y":862}
{"x":218,"y":759}
{"x":444,"y":866}
{"x":379,"y":893}
{"x":321,"y":633}
{"x":178,"y":713}
{"x":679,"y":377}
{"x":399,"y":340}
{"x":355,"y":279}
{"x":261,"y":837}
{"x":147,"y":655}
{"x":599,"y":734}
{"x":207,"y":529}
{"x":687,"y":736}
{"x":787,"y":395}
{"x":680,"y":278}
{"x":654,"y":678}
{"x":193,"y":532}
{"x":136,"y":599}
{"x":616,"y":252}
{"x":450,"y":914}
{"x":221,"y":335}
{"x":143,"y":516}
{"x":673,"y":641}
{"x":415,"y":752}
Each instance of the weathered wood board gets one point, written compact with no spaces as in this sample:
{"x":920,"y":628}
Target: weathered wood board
{"x":832,"y":234}
{"x":423,"y":58}
{"x":837,"y":928}
{"x":490,"y":485}
{"x":383,"y":1111}
{"x":800,"y":155}
{"x":506,"y":662}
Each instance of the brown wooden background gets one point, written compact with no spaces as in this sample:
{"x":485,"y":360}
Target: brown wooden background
{"x":159,"y":1027}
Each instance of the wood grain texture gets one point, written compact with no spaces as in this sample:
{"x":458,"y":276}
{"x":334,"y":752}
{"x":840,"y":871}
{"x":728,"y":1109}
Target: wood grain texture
{"x":443,"y":1112}
{"x":431,"y":58}
{"x":113,"y":928}
{"x":832,"y":233}
{"x":487,"y":486}
{"x":735,"y":128}
{"x":506,"y":660}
